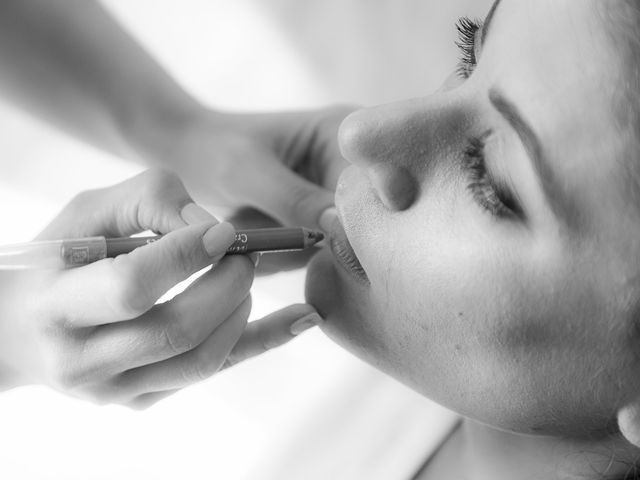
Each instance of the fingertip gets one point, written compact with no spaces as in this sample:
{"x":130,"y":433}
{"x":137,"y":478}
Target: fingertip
{"x":305,"y":323}
{"x":229,"y":228}
{"x":290,"y":198}
{"x":218,"y":239}
{"x":327,"y":219}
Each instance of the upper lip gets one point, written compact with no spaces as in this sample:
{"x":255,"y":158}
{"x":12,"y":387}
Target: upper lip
{"x":343,"y":249}
{"x":343,"y":229}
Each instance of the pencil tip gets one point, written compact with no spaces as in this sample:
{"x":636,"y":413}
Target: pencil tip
{"x":317,"y":236}
{"x":312,"y":237}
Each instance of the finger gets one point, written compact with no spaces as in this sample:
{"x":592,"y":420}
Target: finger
{"x":153,"y":200}
{"x":188,"y":368}
{"x":174,"y":327}
{"x":126,"y":287}
{"x":287,"y":196}
{"x":284,"y":261}
{"x":272,"y":331}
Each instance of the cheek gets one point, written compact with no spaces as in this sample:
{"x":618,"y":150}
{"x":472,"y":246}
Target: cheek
{"x":473,"y":314}
{"x":445,"y":310}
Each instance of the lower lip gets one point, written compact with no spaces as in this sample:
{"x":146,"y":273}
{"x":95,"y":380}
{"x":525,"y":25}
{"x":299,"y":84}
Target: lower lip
{"x":344,"y":254}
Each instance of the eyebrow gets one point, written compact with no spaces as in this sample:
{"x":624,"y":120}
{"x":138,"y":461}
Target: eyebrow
{"x":562,"y":207}
{"x":488,"y":21}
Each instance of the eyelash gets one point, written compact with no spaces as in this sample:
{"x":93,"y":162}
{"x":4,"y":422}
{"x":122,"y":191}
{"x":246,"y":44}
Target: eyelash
{"x":467,"y":32}
{"x":496,"y":200}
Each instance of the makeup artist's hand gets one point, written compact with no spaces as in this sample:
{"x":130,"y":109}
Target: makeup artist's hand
{"x":96,"y":332}
{"x":285,"y":165}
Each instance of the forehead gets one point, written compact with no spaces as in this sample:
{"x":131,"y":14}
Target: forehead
{"x":555,"y":59}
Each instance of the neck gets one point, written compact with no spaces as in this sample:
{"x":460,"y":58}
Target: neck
{"x":490,"y":454}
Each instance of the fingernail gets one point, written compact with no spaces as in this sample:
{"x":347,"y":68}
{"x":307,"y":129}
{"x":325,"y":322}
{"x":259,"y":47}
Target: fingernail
{"x":305,"y":323}
{"x":218,"y":238}
{"x":193,"y":214}
{"x":255,"y":258}
{"x":328,"y":218}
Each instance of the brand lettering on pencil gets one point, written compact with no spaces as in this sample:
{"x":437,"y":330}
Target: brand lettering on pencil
{"x":79,"y":255}
{"x":242,"y":237}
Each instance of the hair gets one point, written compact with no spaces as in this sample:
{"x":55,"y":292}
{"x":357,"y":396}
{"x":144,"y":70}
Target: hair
{"x":621,"y":19}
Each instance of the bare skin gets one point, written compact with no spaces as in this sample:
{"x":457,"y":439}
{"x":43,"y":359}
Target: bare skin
{"x":497,"y":231}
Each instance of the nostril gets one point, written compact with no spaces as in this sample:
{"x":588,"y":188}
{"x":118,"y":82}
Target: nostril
{"x":396,"y":186}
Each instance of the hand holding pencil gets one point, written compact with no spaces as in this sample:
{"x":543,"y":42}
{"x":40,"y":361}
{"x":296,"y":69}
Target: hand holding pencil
{"x":96,"y":331}
{"x":77,"y":252}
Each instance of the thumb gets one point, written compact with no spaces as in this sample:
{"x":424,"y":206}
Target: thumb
{"x":288,"y":197}
{"x":153,"y":200}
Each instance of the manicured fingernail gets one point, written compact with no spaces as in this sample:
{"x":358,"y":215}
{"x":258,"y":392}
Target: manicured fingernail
{"x":193,"y":214}
{"x":255,"y":258}
{"x":328,"y":218}
{"x":305,"y":323}
{"x":218,"y":238}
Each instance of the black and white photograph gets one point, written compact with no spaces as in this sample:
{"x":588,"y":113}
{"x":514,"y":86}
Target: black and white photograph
{"x":320,"y":239}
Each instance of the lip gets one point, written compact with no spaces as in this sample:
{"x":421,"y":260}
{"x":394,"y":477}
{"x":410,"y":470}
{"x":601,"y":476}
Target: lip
{"x":345,"y":255}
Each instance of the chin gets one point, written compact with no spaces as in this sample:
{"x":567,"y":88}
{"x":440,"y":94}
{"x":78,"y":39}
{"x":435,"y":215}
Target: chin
{"x":321,"y":283}
{"x":325,"y":292}
{"x":345,"y":306}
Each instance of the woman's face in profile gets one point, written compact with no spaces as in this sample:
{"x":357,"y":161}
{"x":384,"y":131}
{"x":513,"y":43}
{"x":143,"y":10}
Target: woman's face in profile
{"x":494,"y":227}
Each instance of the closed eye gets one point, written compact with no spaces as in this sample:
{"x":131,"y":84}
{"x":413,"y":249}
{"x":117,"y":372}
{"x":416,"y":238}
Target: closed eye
{"x":467,"y":41}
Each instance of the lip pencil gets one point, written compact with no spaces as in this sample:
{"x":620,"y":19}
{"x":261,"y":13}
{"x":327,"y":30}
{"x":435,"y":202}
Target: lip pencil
{"x":75,"y":252}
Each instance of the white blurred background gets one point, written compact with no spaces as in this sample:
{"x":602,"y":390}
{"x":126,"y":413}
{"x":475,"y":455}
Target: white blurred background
{"x":239,"y":55}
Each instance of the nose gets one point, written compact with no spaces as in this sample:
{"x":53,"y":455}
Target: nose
{"x":391,"y":144}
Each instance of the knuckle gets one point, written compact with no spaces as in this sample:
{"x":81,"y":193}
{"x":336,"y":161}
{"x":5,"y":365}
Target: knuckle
{"x":161,"y":193}
{"x":230,"y":361}
{"x":205,"y":363}
{"x":72,"y":373}
{"x":159,"y":181}
{"x":177,"y":339}
{"x":68,"y":365}
{"x":64,"y":376}
{"x":61,"y":362}
{"x":48,"y":327}
{"x":127,"y":303}
{"x":81,"y":200}
{"x":198,"y":370}
{"x":128,"y":298}
{"x":81,"y":203}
